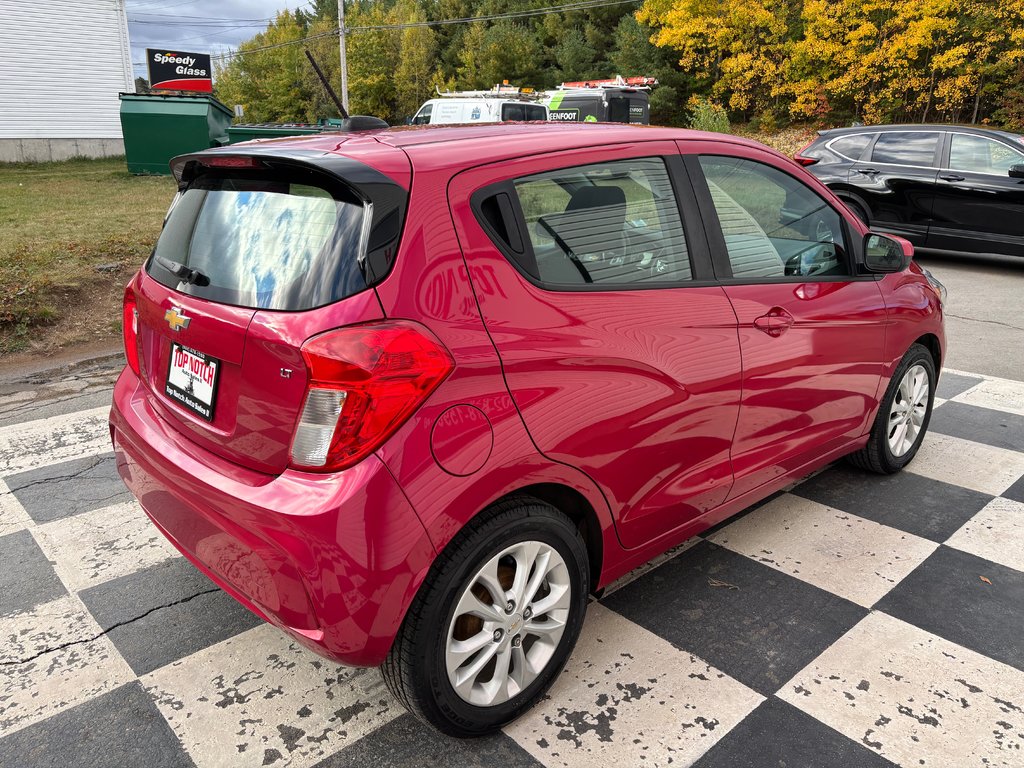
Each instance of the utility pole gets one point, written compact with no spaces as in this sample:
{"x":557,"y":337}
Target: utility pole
{"x":341,"y":54}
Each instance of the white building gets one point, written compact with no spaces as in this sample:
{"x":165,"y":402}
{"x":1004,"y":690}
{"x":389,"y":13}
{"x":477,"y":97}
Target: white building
{"x":62,"y":65}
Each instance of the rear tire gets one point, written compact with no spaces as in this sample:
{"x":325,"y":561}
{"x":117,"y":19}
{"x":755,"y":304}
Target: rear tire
{"x":468,"y":661}
{"x":903,"y":415}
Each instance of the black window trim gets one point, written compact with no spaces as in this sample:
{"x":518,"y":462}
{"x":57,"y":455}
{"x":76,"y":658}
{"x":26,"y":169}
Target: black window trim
{"x":698,"y":250}
{"x":716,"y":238}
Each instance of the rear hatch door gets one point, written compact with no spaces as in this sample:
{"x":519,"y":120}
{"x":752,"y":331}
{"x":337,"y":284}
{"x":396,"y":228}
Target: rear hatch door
{"x":253,"y":260}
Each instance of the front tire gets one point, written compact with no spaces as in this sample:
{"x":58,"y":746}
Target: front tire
{"x":495,"y":621}
{"x":903,"y":415}
{"x":858,"y":211}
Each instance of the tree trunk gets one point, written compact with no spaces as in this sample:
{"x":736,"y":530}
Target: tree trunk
{"x":931,"y":92}
{"x":977,"y":101}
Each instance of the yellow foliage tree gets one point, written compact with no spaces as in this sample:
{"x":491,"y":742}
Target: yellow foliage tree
{"x":739,"y":47}
{"x":878,"y":60}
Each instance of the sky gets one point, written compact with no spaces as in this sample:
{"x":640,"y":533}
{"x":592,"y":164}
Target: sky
{"x":197,"y":26}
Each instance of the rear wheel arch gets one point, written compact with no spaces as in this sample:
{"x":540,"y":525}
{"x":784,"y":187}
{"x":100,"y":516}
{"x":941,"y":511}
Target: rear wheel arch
{"x":855,"y":203}
{"x":577,"y":508}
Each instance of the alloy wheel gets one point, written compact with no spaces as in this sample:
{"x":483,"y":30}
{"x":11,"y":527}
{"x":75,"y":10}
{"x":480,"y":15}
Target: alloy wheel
{"x":508,"y":623}
{"x":909,"y":407}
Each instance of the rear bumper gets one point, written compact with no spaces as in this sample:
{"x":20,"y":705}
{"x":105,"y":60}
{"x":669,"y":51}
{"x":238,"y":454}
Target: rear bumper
{"x":334,"y":560}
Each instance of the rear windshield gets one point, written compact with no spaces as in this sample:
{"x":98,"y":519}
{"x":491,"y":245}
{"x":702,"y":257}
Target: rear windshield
{"x":273,"y":242}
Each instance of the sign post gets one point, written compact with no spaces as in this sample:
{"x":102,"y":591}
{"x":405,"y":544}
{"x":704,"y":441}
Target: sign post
{"x":179,"y":71}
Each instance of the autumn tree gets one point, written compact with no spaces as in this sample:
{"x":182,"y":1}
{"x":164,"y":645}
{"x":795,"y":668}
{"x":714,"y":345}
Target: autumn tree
{"x":736,"y":49}
{"x":414,"y":77}
{"x":269,"y":84}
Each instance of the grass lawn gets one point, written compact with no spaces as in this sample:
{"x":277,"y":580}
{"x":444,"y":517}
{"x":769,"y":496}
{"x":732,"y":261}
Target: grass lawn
{"x":73,"y":233}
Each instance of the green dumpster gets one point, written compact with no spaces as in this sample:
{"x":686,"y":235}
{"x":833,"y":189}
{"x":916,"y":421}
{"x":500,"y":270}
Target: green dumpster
{"x":250,"y":131}
{"x":157,"y":128}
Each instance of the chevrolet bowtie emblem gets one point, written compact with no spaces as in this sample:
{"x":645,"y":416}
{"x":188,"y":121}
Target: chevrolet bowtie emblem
{"x":176,"y":319}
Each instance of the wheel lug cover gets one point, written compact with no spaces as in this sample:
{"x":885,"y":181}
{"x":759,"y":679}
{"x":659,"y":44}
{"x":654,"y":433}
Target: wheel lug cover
{"x":510,"y":607}
{"x":498,"y":634}
{"x":517,"y":641}
{"x":527,"y":613}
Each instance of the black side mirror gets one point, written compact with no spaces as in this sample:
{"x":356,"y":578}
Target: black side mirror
{"x":884,"y":254}
{"x":1017,"y":171}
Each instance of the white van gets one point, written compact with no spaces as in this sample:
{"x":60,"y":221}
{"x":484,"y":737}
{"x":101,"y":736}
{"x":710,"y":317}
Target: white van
{"x":477,"y":109}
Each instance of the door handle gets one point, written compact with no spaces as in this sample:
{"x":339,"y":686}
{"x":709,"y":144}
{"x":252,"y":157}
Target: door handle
{"x":950,"y":177}
{"x":868,"y":171}
{"x":775,"y":322}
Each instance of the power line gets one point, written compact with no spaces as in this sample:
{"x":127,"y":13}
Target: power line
{"x":584,"y":5}
{"x":162,"y":5}
{"x":577,"y":6}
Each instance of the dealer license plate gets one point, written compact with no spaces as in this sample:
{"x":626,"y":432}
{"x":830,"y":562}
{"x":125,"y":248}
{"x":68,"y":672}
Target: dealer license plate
{"x":192,"y":380}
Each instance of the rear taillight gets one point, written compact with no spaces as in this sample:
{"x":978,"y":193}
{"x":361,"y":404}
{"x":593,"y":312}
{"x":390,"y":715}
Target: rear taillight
{"x":801,"y":158}
{"x":130,"y":326}
{"x":364,"y":382}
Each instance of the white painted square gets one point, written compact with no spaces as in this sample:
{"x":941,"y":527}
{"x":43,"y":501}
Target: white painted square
{"x":999,"y":394}
{"x":244,"y":699}
{"x":40,"y":443}
{"x":915,"y":698}
{"x":979,"y":467}
{"x":996,"y":533}
{"x":82,"y":664}
{"x":629,"y":698}
{"x":13,"y":516}
{"x":847,"y":555}
{"x":103,"y":544}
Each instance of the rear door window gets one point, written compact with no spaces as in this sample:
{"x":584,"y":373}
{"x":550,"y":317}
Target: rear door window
{"x":271,"y":242}
{"x":607,"y":224}
{"x":513,"y":112}
{"x":535,"y":112}
{"x":906,"y":148}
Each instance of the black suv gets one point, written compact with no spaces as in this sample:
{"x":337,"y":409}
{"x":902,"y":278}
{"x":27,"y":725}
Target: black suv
{"x":947,"y":187}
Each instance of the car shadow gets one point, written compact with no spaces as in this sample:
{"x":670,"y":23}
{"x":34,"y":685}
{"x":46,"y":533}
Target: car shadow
{"x":983,"y":260}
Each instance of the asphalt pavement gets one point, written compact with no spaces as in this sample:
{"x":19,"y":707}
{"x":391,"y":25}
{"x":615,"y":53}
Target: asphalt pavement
{"x":984,"y":312}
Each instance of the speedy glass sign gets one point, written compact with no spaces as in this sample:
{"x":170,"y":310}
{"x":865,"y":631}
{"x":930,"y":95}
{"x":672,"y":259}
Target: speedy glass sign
{"x":173,"y":70}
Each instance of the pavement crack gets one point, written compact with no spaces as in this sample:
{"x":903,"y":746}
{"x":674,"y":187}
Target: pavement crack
{"x":61,"y":478}
{"x":94,"y":638}
{"x":990,"y":322}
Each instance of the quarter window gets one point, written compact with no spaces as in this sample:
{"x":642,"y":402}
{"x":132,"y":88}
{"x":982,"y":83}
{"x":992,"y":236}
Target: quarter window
{"x":606,"y":224}
{"x":774,"y":226}
{"x":980,"y":155}
{"x":906,"y":148}
{"x":852,"y":146}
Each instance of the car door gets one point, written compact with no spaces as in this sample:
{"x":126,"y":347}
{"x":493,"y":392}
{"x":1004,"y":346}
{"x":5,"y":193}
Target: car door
{"x":896,"y":177}
{"x":979,"y":207}
{"x":618,"y":349}
{"x":811,"y":331}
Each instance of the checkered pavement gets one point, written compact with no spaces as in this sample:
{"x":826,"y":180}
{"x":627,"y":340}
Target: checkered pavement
{"x":853,"y":621}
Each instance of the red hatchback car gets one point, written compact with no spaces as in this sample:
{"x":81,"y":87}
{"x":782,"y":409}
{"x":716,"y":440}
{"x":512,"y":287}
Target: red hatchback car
{"x":412,"y":395}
